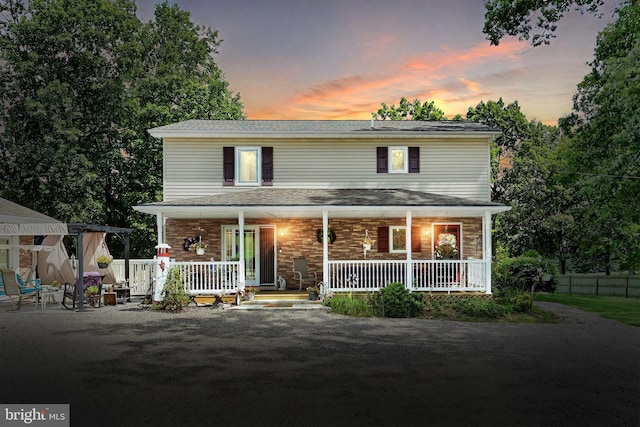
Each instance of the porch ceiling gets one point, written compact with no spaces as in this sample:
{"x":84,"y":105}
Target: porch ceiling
{"x":310,"y":203}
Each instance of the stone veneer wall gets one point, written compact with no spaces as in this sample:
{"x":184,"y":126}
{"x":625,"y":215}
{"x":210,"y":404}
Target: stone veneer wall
{"x":298,"y":238}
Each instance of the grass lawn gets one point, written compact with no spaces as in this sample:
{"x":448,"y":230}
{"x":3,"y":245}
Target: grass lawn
{"x":625,"y":310}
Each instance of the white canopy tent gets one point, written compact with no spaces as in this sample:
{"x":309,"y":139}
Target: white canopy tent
{"x":17,"y":220}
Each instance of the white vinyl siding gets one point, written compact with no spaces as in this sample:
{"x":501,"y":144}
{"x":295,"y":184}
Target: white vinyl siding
{"x":453,"y":167}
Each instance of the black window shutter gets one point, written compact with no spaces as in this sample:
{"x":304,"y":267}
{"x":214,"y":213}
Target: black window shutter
{"x":382,"y":157}
{"x":383,"y":239}
{"x":228,"y":162}
{"x":414,"y":159}
{"x":267,"y":165}
{"x":416,"y":240}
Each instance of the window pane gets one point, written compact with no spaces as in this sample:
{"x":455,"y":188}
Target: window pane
{"x":397,"y":160}
{"x":398,"y":239}
{"x":248,"y":162}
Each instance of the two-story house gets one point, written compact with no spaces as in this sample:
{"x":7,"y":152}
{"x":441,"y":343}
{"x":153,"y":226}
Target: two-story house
{"x":418,"y":190}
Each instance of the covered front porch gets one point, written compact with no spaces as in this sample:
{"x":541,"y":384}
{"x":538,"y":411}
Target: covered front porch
{"x":328,"y":228}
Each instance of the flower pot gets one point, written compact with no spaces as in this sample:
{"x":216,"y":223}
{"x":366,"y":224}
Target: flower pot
{"x":367,"y":247}
{"x":250,"y":296}
{"x":199,"y":251}
{"x":103,"y":265}
{"x":313,"y":296}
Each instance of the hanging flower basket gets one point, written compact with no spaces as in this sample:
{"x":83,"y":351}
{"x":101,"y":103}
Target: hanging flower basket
{"x":199,"y":248}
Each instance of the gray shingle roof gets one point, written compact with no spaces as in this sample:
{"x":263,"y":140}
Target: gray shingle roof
{"x":214,"y":128}
{"x":274,"y":197}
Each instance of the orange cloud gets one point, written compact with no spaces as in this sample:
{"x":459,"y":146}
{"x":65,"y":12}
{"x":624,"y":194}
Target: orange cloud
{"x":429,"y":76}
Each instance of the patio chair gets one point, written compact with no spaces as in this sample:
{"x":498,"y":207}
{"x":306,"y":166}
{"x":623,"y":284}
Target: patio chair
{"x":12,"y":288}
{"x":301,"y":272}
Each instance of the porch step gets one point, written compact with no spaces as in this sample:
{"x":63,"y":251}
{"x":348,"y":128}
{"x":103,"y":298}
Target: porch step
{"x":265,"y":300}
{"x":280,"y":296}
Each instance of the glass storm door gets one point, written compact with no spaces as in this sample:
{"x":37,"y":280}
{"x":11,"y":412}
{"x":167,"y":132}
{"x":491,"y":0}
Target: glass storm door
{"x":231,"y":251}
{"x":259,"y":252}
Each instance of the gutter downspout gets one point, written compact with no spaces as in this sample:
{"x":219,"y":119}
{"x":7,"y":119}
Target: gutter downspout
{"x":325,"y":250}
{"x":409,"y":270}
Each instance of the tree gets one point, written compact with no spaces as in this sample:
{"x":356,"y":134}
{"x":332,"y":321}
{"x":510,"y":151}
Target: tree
{"x":605,"y":160}
{"x":81,"y":84}
{"x":513,"y":18}
{"x":415,"y":110}
{"x":515,"y":128}
{"x":540,"y":218}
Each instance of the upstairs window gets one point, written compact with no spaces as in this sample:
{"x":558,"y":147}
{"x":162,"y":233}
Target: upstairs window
{"x":248,"y":166}
{"x":398,"y":160}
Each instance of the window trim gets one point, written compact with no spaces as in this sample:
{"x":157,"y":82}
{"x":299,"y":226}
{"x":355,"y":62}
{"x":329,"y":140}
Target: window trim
{"x":393,"y":250}
{"x":238,"y":169}
{"x":405,"y":165}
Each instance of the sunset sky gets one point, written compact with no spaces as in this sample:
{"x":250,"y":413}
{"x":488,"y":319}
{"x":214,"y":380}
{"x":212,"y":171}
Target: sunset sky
{"x":339,"y":59}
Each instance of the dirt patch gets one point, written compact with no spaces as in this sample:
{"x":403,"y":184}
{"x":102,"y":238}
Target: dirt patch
{"x":128,"y":366}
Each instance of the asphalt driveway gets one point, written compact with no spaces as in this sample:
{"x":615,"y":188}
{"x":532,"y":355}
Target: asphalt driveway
{"x":126,"y":366}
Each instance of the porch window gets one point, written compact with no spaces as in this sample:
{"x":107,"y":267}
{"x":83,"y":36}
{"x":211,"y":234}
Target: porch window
{"x":398,"y":239}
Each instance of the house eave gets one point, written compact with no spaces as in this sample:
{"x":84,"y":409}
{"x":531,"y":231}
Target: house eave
{"x":213,"y":212}
{"x":203,"y":134}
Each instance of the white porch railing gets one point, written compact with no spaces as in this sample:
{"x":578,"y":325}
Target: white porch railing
{"x":427,"y":275}
{"x":209,"y":278}
{"x":221,"y":277}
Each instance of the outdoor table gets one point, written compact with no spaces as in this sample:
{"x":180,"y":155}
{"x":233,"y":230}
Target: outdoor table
{"x":47,"y":294}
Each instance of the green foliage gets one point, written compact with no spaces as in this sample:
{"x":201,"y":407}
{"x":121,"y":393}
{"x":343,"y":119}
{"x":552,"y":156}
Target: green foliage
{"x":351,"y":305}
{"x":486,"y":308}
{"x":80,"y":84}
{"x":415,"y":110}
{"x":523,"y":272}
{"x":515,"y":301}
{"x":513,"y":18}
{"x":175,"y":295}
{"x":396,"y":301}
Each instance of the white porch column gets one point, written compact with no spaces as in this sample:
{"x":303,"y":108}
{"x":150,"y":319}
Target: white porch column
{"x":325,"y":248}
{"x":160,"y":225}
{"x":241,"y":272}
{"x":409,"y":270}
{"x":486,"y":250}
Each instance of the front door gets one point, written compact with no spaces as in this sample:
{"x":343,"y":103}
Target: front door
{"x":446,"y":241}
{"x":259,"y":253}
{"x":447,"y":246}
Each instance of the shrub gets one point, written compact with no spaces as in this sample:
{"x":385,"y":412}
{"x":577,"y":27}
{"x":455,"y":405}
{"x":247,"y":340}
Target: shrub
{"x":175,"y":296}
{"x":488,"y":309}
{"x":396,"y":301}
{"x":521,"y":273}
{"x":350,"y":305}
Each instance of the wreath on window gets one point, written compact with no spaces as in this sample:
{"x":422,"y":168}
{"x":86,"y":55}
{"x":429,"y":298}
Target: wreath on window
{"x":331,"y":234}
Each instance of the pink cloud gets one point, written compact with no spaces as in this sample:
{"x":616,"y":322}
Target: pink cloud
{"x":432,"y":76}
